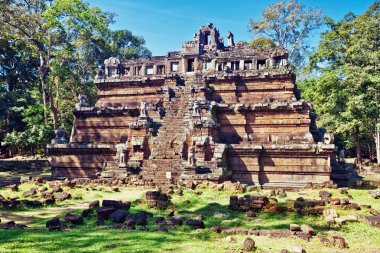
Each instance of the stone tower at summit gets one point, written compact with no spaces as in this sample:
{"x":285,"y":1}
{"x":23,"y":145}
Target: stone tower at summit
{"x":208,"y":112}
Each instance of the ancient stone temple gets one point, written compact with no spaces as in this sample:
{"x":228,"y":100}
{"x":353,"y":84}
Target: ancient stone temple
{"x":208,"y":112}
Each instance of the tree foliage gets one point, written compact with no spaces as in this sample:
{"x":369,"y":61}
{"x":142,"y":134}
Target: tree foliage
{"x":262,"y":44}
{"x":49,"y":50}
{"x":346,"y":91}
{"x":289,"y":23}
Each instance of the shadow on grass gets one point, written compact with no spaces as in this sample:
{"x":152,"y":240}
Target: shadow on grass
{"x":86,"y":239}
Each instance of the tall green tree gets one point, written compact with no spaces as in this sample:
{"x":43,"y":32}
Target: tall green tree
{"x":52,"y":30}
{"x":290,"y":24}
{"x":346,"y":91}
{"x":54,"y":46}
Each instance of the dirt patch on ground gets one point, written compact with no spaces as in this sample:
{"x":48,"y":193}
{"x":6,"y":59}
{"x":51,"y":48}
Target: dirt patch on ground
{"x":26,"y":217}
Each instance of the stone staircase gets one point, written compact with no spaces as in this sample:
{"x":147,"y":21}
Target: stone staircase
{"x":167,"y":148}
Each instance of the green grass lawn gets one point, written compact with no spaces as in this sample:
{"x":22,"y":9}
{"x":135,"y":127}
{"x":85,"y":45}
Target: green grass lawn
{"x":91,"y":238}
{"x":44,"y":172}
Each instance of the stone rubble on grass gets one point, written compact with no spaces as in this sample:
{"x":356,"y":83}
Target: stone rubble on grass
{"x":324,"y":194}
{"x":307,"y":229}
{"x":375,"y":193}
{"x":373,"y":221}
{"x":73,"y":219}
{"x":248,"y":245}
{"x":295,"y":227}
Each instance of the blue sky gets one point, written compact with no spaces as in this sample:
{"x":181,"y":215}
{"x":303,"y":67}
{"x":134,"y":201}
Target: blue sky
{"x":166,"y":24}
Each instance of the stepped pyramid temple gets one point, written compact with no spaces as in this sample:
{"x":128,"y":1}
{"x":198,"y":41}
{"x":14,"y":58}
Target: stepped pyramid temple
{"x":207,"y":112}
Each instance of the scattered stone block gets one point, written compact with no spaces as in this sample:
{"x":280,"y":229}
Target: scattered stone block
{"x":73,"y":219}
{"x":158,"y":220}
{"x":117,"y":204}
{"x":118,"y":216}
{"x":61,"y":196}
{"x":324,"y":240}
{"x":374,"y":212}
{"x":129,"y":224}
{"x":170,"y":213}
{"x":374,"y":221}
{"x":330,"y":213}
{"x":334,"y":201}
{"x":87,"y":212}
{"x":295,"y":227}
{"x":280,"y":233}
{"x":54,"y":224}
{"x":251,"y":214}
{"x":141,"y":218}
{"x":248,"y":245}
{"x":375,"y":194}
{"x":32,"y":203}
{"x":307,"y":229}
{"x":156,"y":199}
{"x":94,"y":204}
{"x":248,"y":202}
{"x":104,"y":212}
{"x":303,"y":235}
{"x":340,"y":242}
{"x":343,"y":190}
{"x":195,"y":224}
{"x":216,"y":229}
{"x":31,"y":193}
{"x":57,"y":188}
{"x":14,"y":187}
{"x":8,"y":225}
{"x":324,"y":194}
{"x":163,"y":229}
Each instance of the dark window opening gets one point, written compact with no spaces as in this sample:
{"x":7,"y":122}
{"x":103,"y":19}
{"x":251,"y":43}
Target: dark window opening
{"x":138,"y":71}
{"x":160,"y":69}
{"x":220,"y":66}
{"x":206,"y":42}
{"x":260,"y":64}
{"x":190,"y":65}
{"x":247,"y":65}
{"x":235,"y":65}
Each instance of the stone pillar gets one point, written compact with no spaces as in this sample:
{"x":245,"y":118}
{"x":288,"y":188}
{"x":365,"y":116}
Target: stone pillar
{"x":267,"y":63}
{"x":213,"y":65}
{"x":154,"y":69}
{"x":195,"y":64}
{"x":143,"y":69}
{"x":241,"y":65}
{"x":254,"y":64}
{"x":271,"y":62}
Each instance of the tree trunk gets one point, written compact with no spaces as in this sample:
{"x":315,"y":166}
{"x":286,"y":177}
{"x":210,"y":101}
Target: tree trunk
{"x":359,"y":158}
{"x":53,"y":109}
{"x":377,"y":142}
{"x":42,"y":70}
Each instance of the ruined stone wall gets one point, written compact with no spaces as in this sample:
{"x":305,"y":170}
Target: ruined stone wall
{"x":79,"y":160}
{"x":116,"y":95}
{"x":253,"y":91}
{"x":207,"y":112}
